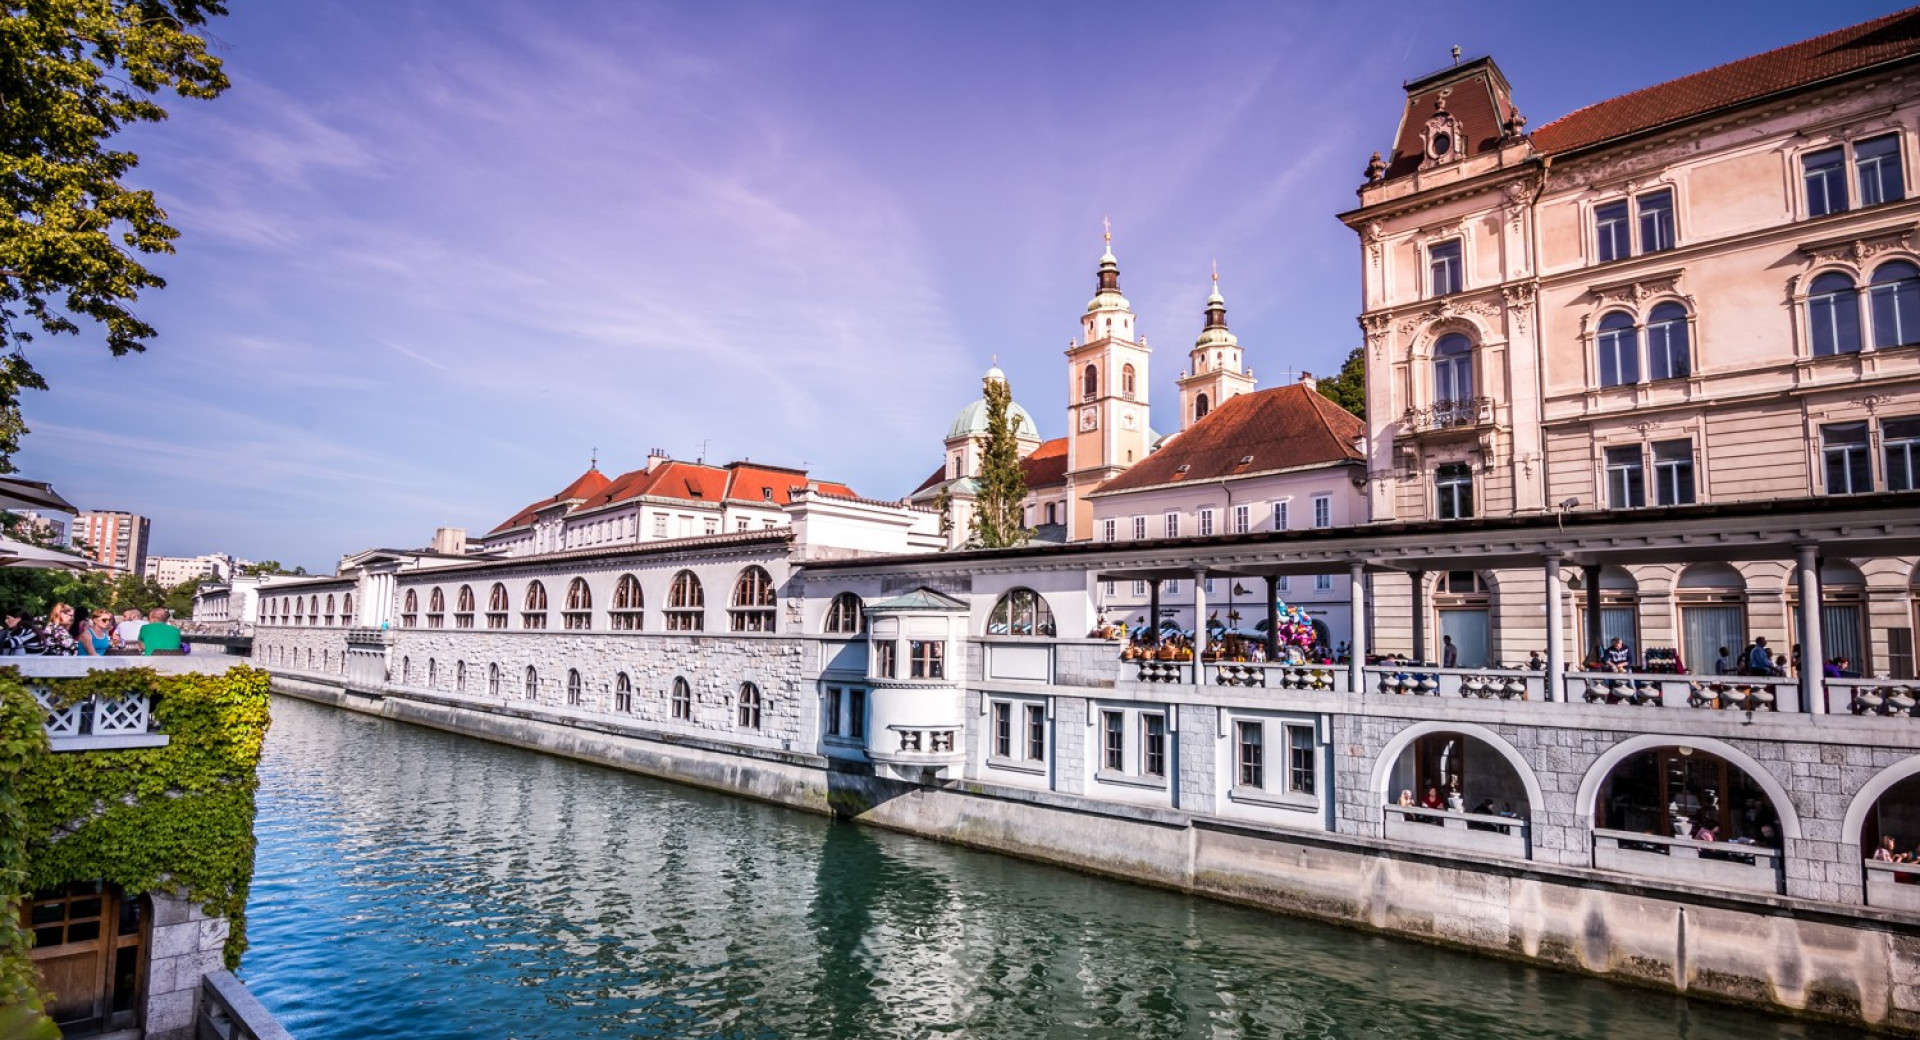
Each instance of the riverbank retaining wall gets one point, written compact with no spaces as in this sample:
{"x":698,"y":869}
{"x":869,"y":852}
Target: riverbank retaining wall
{"x":1859,"y":965}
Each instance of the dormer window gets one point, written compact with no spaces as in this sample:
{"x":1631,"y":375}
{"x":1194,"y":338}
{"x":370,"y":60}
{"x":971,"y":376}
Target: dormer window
{"x":766,"y":494}
{"x":1440,"y":138}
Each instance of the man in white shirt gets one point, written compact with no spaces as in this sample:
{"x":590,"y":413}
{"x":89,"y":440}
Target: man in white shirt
{"x":127,"y":632}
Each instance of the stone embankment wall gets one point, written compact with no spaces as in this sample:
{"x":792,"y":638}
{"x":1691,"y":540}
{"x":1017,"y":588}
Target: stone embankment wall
{"x":1854,"y":964}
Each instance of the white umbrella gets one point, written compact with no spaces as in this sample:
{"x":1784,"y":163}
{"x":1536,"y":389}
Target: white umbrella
{"x":23,"y":554}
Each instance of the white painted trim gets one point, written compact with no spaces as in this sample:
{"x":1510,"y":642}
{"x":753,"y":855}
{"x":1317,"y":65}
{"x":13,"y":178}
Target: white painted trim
{"x":1870,"y":793}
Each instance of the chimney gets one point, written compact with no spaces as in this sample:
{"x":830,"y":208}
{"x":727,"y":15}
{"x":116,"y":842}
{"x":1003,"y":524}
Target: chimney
{"x":656,"y":457}
{"x":1307,"y":380}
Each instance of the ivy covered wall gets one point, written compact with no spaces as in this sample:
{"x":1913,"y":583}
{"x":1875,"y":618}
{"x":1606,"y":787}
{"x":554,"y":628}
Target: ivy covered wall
{"x":175,"y":819}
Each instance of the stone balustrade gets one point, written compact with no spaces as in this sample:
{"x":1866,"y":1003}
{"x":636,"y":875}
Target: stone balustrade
{"x":1468,"y":832}
{"x":1721,"y":864}
{"x":1885,"y":698}
{"x":1893,"y":885}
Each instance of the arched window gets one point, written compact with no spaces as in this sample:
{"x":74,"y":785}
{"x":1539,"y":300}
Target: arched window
{"x":534,"y":615}
{"x":575,"y":686}
{"x":1619,"y":348}
{"x":1452,"y":371}
{"x":1089,"y":382}
{"x":533,"y":683}
{"x":1668,"y":353}
{"x":497,"y":606}
{"x":1833,"y":311}
{"x":406,"y":668}
{"x":493,"y":680}
{"x":623,"y":693}
{"x":627,"y":604}
{"x":1126,"y":381}
{"x":686,"y":604}
{"x":330,"y":613}
{"x":753,"y":601}
{"x":346,"y":609}
{"x":460,"y":677}
{"x":409,"y":610}
{"x":1453,"y":491}
{"x":433,"y":673}
{"x":1200,"y":408}
{"x":463,"y":607}
{"x":682,"y":698}
{"x":313,"y":609}
{"x":846,"y":616}
{"x":299,"y":611}
{"x":1894,"y":303}
{"x":749,"y":706}
{"x":579,"y":612}
{"x":1021,"y":612}
{"x":436,"y":608}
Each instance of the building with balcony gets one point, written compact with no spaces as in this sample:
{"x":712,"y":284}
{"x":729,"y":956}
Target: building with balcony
{"x":1706,"y":291}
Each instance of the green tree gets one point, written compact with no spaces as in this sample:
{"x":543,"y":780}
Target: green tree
{"x":1349,"y":388}
{"x":943,"y":504}
{"x":179,"y":599}
{"x":269,"y":567}
{"x":73,"y":74}
{"x":134,"y":592}
{"x":1003,"y":485}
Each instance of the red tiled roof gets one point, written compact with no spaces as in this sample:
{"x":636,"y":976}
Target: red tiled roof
{"x":585,"y":486}
{"x":1047,"y":466}
{"x":1282,"y":428}
{"x":938,"y":477}
{"x":750,"y":483}
{"x":1892,"y":38}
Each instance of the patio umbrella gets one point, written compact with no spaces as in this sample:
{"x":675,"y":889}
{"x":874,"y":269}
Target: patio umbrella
{"x":23,"y":554}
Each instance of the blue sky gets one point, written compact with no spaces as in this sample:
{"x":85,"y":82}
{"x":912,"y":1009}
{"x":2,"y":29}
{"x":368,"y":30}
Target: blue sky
{"x":435,"y":252}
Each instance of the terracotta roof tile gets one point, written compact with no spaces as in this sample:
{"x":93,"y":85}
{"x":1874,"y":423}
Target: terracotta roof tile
{"x":585,"y":486}
{"x":1892,"y":38}
{"x":1478,"y":108}
{"x":1047,"y":466}
{"x":1283,"y":428}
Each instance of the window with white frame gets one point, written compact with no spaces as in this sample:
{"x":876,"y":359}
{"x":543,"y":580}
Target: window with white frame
{"x":1833,"y":315}
{"x":1295,"y":778}
{"x":1249,"y":743}
{"x":1673,"y":483}
{"x":1893,"y":305}
{"x":1172,"y":587}
{"x":1107,"y":588}
{"x":886,"y":659}
{"x":1036,"y":750}
{"x":1113,"y":741}
{"x":1018,"y":732}
{"x":846,"y":615}
{"x":623,"y":693}
{"x":833,"y":701}
{"x":1323,"y":583}
{"x":629,"y":602}
{"x":681,"y":701}
{"x":1109,"y":530}
{"x":1172,"y":528}
{"x":1206,"y":522}
{"x":1619,"y":346}
{"x":1283,"y":583}
{"x":1900,"y":442}
{"x":1139,"y":589}
{"x":1302,"y":761}
{"x":1452,"y":371}
{"x":659,"y":525}
{"x":749,"y":706}
{"x":1280,"y":515}
{"x":1629,"y":227}
{"x":1453,"y":491}
{"x":1323,"y":511}
{"x":1139,"y":527}
{"x":1153,"y":744}
{"x":1242,"y":519}
{"x":1209,"y":585}
{"x":1849,"y":467}
{"x":1444,"y":275}
{"x":1626,"y":478}
{"x":1878,"y":176}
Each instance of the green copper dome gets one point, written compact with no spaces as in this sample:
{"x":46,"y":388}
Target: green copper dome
{"x":972,"y":421}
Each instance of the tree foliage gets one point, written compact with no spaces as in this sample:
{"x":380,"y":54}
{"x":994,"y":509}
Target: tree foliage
{"x":1349,"y":388}
{"x":1003,"y":485}
{"x":269,"y":567}
{"x":73,"y":74}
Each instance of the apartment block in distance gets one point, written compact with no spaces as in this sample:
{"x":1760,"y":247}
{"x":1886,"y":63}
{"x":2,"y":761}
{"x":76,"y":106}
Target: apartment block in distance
{"x":114,"y":540}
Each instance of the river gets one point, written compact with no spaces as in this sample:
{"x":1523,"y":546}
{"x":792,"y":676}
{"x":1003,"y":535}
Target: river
{"x":415,"y":884}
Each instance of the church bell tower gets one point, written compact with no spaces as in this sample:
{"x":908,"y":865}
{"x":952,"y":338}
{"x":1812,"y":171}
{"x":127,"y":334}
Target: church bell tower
{"x":1106,"y":396}
{"x":1215,"y":374}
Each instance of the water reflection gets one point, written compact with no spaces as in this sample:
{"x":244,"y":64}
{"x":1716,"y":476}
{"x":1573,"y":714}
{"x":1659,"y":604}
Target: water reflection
{"x":417,"y":884}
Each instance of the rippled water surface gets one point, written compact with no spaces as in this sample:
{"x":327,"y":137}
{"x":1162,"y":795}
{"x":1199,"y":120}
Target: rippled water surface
{"x":417,"y":884}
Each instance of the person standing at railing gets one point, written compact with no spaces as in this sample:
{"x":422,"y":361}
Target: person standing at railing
{"x":1449,"y":653}
{"x":1759,"y":659}
{"x":1724,"y":664}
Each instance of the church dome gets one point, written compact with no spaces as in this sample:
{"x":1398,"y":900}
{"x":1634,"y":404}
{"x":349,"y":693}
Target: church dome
{"x":972,"y":421}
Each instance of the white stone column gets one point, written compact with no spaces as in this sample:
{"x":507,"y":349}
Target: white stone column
{"x":1556,"y":651}
{"x":1199,"y":621}
{"x":1813,"y":690}
{"x":1357,"y":643}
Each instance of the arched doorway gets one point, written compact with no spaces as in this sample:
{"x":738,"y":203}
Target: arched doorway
{"x":1712,"y":601}
{"x":1486,"y":793}
{"x":90,"y":947}
{"x":1885,"y":819}
{"x":1463,"y":602}
{"x":1843,"y":594}
{"x":1706,"y":814}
